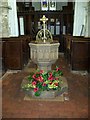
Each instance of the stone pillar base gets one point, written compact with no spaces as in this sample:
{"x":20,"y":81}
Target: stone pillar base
{"x":44,"y":67}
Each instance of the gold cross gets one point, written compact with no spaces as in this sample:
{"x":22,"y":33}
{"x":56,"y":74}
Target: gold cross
{"x":43,"y":19}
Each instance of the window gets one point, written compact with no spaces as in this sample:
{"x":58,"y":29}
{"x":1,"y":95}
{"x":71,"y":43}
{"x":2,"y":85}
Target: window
{"x":44,"y":5}
{"x":52,"y":4}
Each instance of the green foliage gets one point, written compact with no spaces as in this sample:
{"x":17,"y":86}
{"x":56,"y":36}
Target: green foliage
{"x":41,"y":81}
{"x":37,"y":93}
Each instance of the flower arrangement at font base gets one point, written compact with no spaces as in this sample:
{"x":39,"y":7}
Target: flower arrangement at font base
{"x":44,"y":81}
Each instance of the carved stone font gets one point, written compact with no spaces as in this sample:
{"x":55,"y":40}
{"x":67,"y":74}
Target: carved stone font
{"x":44,"y":52}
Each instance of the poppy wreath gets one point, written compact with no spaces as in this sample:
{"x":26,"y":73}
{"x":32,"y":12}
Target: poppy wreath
{"x":41,"y":81}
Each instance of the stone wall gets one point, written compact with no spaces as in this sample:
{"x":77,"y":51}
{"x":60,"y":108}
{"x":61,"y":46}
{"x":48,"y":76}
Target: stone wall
{"x":88,"y":25}
{"x":87,"y":22}
{"x":4,"y":9}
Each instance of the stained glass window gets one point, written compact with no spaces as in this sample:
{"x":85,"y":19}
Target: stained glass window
{"x":44,"y":5}
{"x":52,"y":4}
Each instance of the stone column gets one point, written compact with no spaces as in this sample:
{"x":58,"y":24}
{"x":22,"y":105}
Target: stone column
{"x":4,"y":28}
{"x":12,"y":19}
{"x":87,"y":27}
{"x":79,"y":18}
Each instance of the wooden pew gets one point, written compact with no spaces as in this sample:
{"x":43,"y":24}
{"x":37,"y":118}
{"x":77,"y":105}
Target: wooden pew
{"x":67,"y":51}
{"x":79,"y":53}
{"x":16,"y":53}
{"x":77,"y":49}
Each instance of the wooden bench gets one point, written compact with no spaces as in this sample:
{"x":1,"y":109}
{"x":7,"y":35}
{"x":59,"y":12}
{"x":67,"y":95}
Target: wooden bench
{"x":80,"y":53}
{"x":16,"y":53}
{"x":77,"y":49}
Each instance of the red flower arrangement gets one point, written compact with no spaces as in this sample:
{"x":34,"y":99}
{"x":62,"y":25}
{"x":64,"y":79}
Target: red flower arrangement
{"x":40,"y":81}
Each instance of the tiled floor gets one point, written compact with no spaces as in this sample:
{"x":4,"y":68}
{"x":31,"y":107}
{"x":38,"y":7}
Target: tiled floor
{"x":13,"y":105}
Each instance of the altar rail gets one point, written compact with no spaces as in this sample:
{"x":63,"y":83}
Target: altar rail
{"x":77,"y":52}
{"x":15,"y":52}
